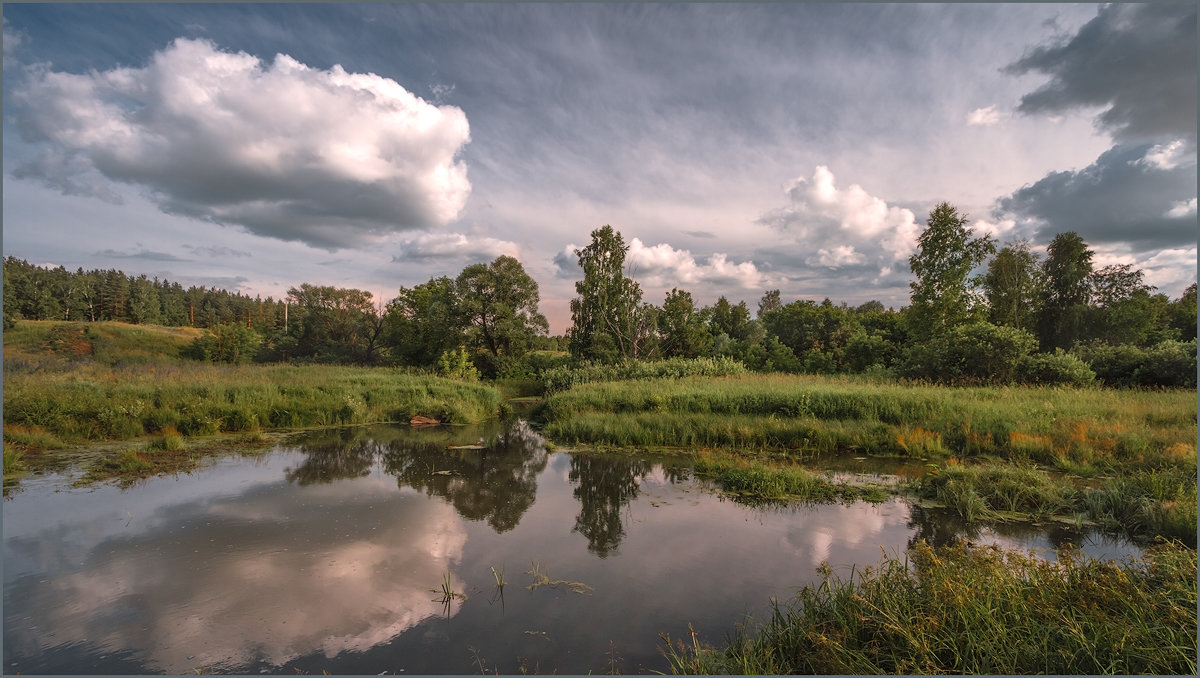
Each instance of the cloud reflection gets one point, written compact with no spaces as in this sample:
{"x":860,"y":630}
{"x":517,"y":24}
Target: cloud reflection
{"x":342,"y":572}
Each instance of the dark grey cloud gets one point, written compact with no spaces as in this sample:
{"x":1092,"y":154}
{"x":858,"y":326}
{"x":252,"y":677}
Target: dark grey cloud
{"x":1137,"y":59}
{"x":1132,"y":194}
{"x":700,"y":234}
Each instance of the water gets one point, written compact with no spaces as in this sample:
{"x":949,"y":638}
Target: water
{"x":330,"y":553}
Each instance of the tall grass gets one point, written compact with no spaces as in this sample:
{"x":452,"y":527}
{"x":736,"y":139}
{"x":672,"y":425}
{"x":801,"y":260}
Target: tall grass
{"x":563,"y":377}
{"x":962,"y":609}
{"x":141,"y":387}
{"x":1080,"y":430}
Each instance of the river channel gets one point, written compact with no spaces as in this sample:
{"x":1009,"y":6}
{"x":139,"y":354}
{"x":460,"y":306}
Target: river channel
{"x":336,"y":552}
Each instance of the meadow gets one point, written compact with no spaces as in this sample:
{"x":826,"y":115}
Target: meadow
{"x":1125,"y":459}
{"x":67,"y":385}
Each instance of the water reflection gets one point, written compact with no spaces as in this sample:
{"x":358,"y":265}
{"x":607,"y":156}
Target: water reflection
{"x":259,"y":578}
{"x":496,"y":485}
{"x":327,"y":554}
{"x":605,"y":485}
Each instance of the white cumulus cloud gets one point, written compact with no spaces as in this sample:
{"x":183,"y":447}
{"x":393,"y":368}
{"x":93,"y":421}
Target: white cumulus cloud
{"x":326,"y":157}
{"x":834,"y":227}
{"x":429,"y":246}
{"x":663,"y":266}
{"x":985,"y":117}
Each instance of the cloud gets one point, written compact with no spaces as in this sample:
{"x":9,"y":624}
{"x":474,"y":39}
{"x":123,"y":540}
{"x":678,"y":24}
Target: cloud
{"x":983,"y":117}
{"x":663,"y":266}
{"x":139,"y":254}
{"x":1118,"y":198}
{"x":1138,"y":60}
{"x":216,"y":251}
{"x":69,"y":174}
{"x":434,"y":246}
{"x":1182,"y":209}
{"x":1169,"y":156}
{"x":325,"y":157}
{"x":13,"y":40}
{"x":700,"y":234}
{"x":844,"y":228}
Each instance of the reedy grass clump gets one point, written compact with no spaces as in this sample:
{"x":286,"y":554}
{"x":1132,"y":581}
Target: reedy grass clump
{"x":960,"y":609}
{"x":1144,"y":503}
{"x":1159,"y":502}
{"x":762,"y":482}
{"x":990,"y":490}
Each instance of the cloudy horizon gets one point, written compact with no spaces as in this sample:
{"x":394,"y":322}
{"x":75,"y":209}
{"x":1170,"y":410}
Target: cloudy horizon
{"x":738,"y":148}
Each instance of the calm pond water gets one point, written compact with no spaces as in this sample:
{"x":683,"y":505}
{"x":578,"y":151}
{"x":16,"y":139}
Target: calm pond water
{"x":330,"y":553}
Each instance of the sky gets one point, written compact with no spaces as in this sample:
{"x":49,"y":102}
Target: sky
{"x":738,"y":148}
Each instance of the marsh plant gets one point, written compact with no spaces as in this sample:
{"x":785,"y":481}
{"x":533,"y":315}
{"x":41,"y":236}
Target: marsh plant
{"x":981,"y":610}
{"x":540,"y":579}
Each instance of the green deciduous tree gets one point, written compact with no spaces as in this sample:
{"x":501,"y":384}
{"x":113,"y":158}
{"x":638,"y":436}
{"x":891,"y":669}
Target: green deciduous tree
{"x":680,"y":327}
{"x":1066,"y":291}
{"x":946,"y":253}
{"x":227,"y":343}
{"x":605,"y":322}
{"x":423,"y":322}
{"x":1011,"y":286}
{"x":499,"y":303}
{"x":336,"y":324}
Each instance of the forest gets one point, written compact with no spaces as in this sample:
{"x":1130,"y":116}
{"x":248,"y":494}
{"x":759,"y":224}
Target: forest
{"x":979,"y":313}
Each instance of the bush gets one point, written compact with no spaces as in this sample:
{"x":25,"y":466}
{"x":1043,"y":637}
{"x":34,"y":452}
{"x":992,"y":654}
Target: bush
{"x":564,"y":377}
{"x":227,"y":343}
{"x":457,"y":365}
{"x":975,"y":353}
{"x":1054,"y":369}
{"x":1169,"y":363}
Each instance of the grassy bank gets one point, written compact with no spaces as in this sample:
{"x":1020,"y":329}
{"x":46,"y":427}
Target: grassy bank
{"x":997,"y":453}
{"x":1073,"y":429}
{"x":964,"y":609}
{"x":73,"y":384}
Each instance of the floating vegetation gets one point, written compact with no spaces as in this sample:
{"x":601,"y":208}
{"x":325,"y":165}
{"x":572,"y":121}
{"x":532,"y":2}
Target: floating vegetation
{"x":541,"y":579}
{"x":448,"y":593}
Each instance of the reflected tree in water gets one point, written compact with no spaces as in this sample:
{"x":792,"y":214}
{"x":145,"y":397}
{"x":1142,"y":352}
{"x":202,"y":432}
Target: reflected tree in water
{"x":341,"y":453}
{"x":497,"y":484}
{"x":605,"y":486}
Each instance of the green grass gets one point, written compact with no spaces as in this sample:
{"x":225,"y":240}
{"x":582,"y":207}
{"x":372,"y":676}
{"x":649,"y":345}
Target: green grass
{"x":998,"y":445}
{"x":742,"y":478}
{"x":962,"y":609}
{"x":76,"y":398}
{"x":1087,"y":430}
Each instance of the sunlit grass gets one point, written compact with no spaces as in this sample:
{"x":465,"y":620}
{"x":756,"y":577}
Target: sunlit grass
{"x":961,"y":609}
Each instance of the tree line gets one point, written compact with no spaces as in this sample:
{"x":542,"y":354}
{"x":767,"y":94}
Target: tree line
{"x":1024,"y":318}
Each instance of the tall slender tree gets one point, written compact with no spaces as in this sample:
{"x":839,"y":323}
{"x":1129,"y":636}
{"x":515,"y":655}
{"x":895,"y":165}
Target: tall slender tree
{"x":1064,"y":297}
{"x":1011,"y":286}
{"x":946,"y":253}
{"x":605,"y":316}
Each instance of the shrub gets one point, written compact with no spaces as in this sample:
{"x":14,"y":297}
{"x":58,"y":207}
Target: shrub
{"x":227,"y":343}
{"x":564,"y":377}
{"x":1054,"y":369}
{"x":457,"y":365}
{"x":1169,"y":363}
